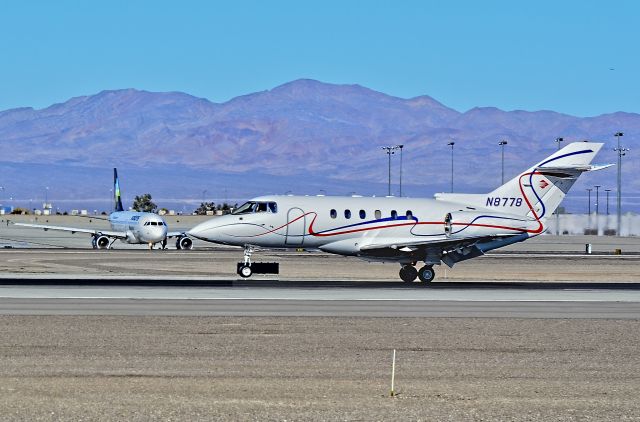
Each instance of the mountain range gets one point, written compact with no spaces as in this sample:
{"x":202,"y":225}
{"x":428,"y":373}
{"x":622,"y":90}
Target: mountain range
{"x":305,"y":136}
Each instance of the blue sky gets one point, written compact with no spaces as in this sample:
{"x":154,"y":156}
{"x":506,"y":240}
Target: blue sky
{"x":510,"y":54}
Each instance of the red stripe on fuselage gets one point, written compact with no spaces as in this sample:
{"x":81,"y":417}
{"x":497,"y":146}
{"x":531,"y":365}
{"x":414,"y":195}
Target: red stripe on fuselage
{"x":388,"y":226}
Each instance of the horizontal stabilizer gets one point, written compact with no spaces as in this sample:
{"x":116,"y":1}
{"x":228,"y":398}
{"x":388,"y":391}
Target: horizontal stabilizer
{"x":576,"y":169}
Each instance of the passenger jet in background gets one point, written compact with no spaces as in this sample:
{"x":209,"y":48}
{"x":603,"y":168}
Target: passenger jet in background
{"x":127,"y":226}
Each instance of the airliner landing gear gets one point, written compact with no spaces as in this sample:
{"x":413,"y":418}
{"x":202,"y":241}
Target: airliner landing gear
{"x":408,"y":273}
{"x":426,"y":274}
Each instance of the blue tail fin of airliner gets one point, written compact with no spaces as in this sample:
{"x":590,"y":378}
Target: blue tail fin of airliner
{"x":116,"y":192}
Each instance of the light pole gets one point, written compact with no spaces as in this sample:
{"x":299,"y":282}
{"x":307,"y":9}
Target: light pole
{"x":621,"y":152}
{"x":400,"y":148}
{"x":1,"y":195}
{"x":451,"y":144}
{"x":389,"y":150}
{"x":558,"y":141}
{"x":204,"y":192}
{"x":597,"y":208}
{"x":607,"y":190}
{"x":502,"y":144}
{"x":589,"y":209}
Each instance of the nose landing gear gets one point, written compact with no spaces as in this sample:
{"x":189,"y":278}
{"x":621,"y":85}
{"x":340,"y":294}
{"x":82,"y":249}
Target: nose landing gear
{"x":247,"y":268}
{"x":244,"y":269}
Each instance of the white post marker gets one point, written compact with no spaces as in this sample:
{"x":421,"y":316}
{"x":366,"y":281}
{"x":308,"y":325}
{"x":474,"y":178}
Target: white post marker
{"x":393,"y":373}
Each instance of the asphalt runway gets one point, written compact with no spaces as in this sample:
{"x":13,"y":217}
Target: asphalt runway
{"x":326,"y":299}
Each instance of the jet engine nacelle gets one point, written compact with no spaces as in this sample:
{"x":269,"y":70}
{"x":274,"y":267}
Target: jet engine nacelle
{"x":463,"y":224}
{"x":342,"y":247}
{"x":101,"y":242}
{"x":184,"y":242}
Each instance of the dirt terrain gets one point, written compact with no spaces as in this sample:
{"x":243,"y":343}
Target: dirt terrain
{"x":171,"y":368}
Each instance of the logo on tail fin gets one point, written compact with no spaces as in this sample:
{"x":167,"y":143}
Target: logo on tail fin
{"x":116,"y":192}
{"x":543,"y":184}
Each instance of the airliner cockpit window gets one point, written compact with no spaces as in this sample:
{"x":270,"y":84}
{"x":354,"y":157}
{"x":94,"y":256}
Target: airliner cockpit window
{"x":273,"y":207}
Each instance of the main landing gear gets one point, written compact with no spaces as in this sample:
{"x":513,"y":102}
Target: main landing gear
{"x":408,"y":273}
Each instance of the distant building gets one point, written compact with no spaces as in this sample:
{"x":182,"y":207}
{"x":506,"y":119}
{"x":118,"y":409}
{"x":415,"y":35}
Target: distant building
{"x":601,"y":225}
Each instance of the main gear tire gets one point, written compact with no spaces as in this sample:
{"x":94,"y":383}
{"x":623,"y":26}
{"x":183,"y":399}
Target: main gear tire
{"x":426,"y":274}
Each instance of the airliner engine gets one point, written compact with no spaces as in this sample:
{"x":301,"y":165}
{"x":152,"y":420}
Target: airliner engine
{"x":184,"y":242}
{"x":100,"y":242}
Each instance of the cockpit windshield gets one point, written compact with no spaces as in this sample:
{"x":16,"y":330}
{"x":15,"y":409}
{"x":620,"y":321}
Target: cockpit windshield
{"x":252,"y":207}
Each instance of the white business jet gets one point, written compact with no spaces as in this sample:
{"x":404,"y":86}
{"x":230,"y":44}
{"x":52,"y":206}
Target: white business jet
{"x":448,"y":229}
{"x":127,"y":226}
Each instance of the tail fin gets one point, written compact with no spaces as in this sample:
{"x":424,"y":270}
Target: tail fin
{"x":538,"y":191}
{"x":116,"y":192}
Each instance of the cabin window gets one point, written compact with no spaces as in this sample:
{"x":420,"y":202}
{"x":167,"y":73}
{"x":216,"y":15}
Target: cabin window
{"x":347,"y":214}
{"x":409,"y":215}
{"x":378,"y":214}
{"x":394,"y":214}
{"x":333,"y":213}
{"x":363,"y":214}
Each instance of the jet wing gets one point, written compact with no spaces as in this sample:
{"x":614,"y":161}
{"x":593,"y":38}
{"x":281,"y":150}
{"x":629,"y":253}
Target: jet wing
{"x":438,"y":249}
{"x":408,"y":245}
{"x":73,"y":230}
{"x":176,"y":234}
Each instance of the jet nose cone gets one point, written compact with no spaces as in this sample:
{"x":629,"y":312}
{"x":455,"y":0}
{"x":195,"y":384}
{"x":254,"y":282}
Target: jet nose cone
{"x":201,"y":231}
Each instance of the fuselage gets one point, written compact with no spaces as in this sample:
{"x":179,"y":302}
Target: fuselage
{"x":140,"y":227}
{"x":324,"y":222}
{"x":451,"y":228}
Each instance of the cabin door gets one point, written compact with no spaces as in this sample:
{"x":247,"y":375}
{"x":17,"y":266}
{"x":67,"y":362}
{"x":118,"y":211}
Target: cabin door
{"x":296,"y":224}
